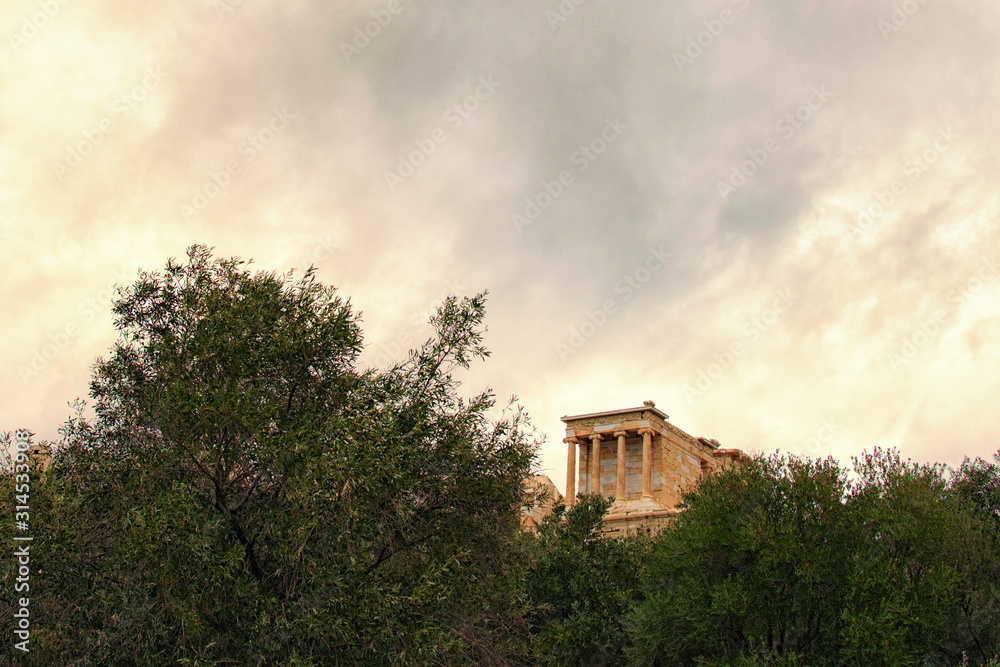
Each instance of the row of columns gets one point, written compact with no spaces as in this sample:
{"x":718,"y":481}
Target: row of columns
{"x":595,"y":464}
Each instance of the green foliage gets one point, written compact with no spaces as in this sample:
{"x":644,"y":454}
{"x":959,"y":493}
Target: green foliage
{"x":247,"y":495}
{"x":581,"y":586}
{"x":904,"y":566}
{"x":750,"y":563}
{"x":783,"y":561}
{"x":977,"y":482}
{"x":975,"y":619}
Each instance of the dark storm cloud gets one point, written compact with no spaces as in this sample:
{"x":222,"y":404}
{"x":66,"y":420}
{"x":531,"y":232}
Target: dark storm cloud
{"x":635,"y":183}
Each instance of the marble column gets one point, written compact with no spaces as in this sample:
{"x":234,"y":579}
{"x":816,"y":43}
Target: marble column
{"x":647,"y":463}
{"x":595,"y":463}
{"x":620,"y":487}
{"x":570,"y":498}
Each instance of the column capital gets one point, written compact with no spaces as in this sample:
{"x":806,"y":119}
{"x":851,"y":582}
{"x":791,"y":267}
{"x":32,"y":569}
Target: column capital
{"x":621,"y":434}
{"x":645,"y":430}
{"x":596,"y":437}
{"x":574,"y":440}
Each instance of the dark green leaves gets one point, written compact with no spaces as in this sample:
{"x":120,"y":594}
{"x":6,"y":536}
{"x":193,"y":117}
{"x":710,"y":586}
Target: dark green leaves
{"x":248,"y":495}
{"x":783,"y":559}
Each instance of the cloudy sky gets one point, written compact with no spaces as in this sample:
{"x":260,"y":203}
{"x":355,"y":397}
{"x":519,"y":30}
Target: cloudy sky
{"x":779,"y":221}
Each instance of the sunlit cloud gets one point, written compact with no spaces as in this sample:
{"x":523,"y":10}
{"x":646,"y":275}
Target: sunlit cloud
{"x":779,"y":222}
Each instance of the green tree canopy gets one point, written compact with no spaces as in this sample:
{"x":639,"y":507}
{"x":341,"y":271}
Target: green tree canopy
{"x":784,"y":561}
{"x":581,"y":586}
{"x":247,"y":494}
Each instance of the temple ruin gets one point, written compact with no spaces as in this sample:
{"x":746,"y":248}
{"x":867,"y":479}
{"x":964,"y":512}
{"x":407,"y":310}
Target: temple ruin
{"x":642,"y":460}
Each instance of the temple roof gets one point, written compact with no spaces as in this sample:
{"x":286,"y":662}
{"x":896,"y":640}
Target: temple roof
{"x":647,"y":406}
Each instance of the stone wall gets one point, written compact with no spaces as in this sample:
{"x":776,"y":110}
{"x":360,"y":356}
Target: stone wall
{"x":540,"y":495}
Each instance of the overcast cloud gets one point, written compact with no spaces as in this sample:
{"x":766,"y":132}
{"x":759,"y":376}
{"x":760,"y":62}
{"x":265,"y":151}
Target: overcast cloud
{"x":777,"y":220}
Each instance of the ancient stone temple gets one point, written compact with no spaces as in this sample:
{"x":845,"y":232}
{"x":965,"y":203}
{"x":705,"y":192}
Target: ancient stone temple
{"x":639,"y":458}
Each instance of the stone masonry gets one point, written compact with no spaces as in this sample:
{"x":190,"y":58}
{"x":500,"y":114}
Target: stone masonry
{"x":639,"y":458}
{"x":540,"y":495}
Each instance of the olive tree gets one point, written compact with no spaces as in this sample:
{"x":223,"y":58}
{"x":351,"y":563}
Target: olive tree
{"x":256,"y":496}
